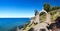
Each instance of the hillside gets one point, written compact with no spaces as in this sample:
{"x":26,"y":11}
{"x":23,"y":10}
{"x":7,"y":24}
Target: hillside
{"x":54,"y":14}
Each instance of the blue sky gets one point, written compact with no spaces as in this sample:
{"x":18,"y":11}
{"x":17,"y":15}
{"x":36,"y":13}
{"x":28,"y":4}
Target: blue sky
{"x":23,"y":8}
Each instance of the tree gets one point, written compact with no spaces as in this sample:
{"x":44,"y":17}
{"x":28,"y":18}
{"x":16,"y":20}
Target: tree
{"x":47,"y":7}
{"x":55,"y":7}
{"x":36,"y":12}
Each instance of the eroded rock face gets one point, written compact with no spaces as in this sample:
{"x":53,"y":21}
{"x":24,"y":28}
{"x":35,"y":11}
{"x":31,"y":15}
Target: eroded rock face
{"x":42,"y":30}
{"x":32,"y":29}
{"x":55,"y":26}
{"x":41,"y":27}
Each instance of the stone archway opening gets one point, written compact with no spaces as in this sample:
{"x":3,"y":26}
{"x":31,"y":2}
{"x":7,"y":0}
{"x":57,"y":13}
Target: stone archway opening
{"x":42,"y":16}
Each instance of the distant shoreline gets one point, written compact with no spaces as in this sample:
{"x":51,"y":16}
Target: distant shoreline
{"x":23,"y":18}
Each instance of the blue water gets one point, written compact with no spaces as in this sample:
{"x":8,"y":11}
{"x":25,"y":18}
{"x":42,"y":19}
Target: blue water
{"x":8,"y":23}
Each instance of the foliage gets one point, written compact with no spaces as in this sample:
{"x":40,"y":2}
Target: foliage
{"x":55,"y":7}
{"x":53,"y":12}
{"x":26,"y":25}
{"x":47,"y":7}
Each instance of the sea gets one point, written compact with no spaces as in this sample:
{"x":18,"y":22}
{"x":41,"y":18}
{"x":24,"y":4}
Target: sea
{"x":8,"y":23}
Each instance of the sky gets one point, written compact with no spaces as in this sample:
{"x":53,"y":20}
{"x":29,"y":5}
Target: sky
{"x":23,"y":8}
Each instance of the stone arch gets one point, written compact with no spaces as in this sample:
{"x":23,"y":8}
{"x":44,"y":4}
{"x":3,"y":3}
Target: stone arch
{"x":36,"y":18}
{"x":47,"y":16}
{"x":43,"y":11}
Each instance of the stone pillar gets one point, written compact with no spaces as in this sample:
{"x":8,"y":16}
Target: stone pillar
{"x":37,"y":18}
{"x":48,"y":19}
